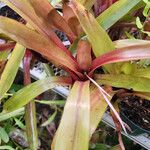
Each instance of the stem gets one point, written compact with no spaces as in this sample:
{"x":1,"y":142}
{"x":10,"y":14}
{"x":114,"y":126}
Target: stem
{"x":105,"y":94}
{"x":30,"y":109}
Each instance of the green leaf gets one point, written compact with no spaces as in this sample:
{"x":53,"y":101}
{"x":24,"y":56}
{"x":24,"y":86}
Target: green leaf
{"x":138,"y":23}
{"x":126,"y":68}
{"x":100,"y":146}
{"x":147,"y":8}
{"x":3,"y":135}
{"x":146,"y":32}
{"x":51,"y":102}
{"x":11,"y":69}
{"x":4,"y":55}
{"x":48,"y":69}
{"x":50,"y":119}
{"x":74,"y":128}
{"x":129,"y":36}
{"x":4,"y":37}
{"x":140,"y":84}
{"x":4,"y":116}
{"x":117,"y":147}
{"x":5,"y":147}
{"x":115,"y":12}
{"x":25,"y":95}
{"x":19,"y":124}
{"x":101,"y":43}
{"x":73,"y":47}
{"x":142,"y":72}
{"x":15,"y":87}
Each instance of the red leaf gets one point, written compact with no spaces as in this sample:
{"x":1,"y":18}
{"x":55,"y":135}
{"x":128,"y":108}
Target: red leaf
{"x":84,"y":55}
{"x":37,"y":42}
{"x":51,"y":16}
{"x":26,"y":11}
{"x":26,"y":67}
{"x":72,"y":20}
{"x":7,"y":46}
{"x":135,"y":52}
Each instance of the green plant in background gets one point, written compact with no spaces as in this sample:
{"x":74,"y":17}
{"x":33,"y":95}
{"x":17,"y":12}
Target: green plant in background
{"x":90,"y":92}
{"x":144,"y":26}
{"x":11,"y":124}
{"x":11,"y":130}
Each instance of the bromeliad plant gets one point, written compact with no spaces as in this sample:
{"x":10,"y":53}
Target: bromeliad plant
{"x":90,"y":93}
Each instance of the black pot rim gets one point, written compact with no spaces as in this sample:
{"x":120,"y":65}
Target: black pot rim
{"x":134,"y":127}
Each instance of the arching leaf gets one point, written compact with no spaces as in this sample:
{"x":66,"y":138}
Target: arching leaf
{"x":115,"y":12}
{"x":26,"y":11}
{"x":125,"y":81}
{"x":28,"y":93}
{"x":11,"y":68}
{"x":31,"y":39}
{"x":134,"y":52}
{"x":74,"y":127}
{"x":50,"y":15}
{"x":99,"y":39}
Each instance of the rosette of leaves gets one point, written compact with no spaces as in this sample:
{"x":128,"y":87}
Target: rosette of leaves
{"x":87,"y":101}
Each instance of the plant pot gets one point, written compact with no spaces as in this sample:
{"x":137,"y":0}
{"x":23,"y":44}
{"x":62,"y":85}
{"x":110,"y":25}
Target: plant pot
{"x":135,"y":113}
{"x":136,"y":130}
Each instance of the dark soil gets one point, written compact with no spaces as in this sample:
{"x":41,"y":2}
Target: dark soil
{"x":6,"y":11}
{"x":137,"y":110}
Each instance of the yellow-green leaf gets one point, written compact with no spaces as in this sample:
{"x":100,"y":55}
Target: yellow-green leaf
{"x":6,"y":147}
{"x":50,"y":119}
{"x":51,"y":102}
{"x":74,"y":128}
{"x":115,"y":12}
{"x":4,"y":55}
{"x":11,"y":69}
{"x":3,"y":135}
{"x":135,"y":83}
{"x":4,"y":116}
{"x":116,"y":147}
{"x":142,"y":72}
{"x":101,"y":42}
{"x":25,"y":95}
{"x":19,"y":123}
